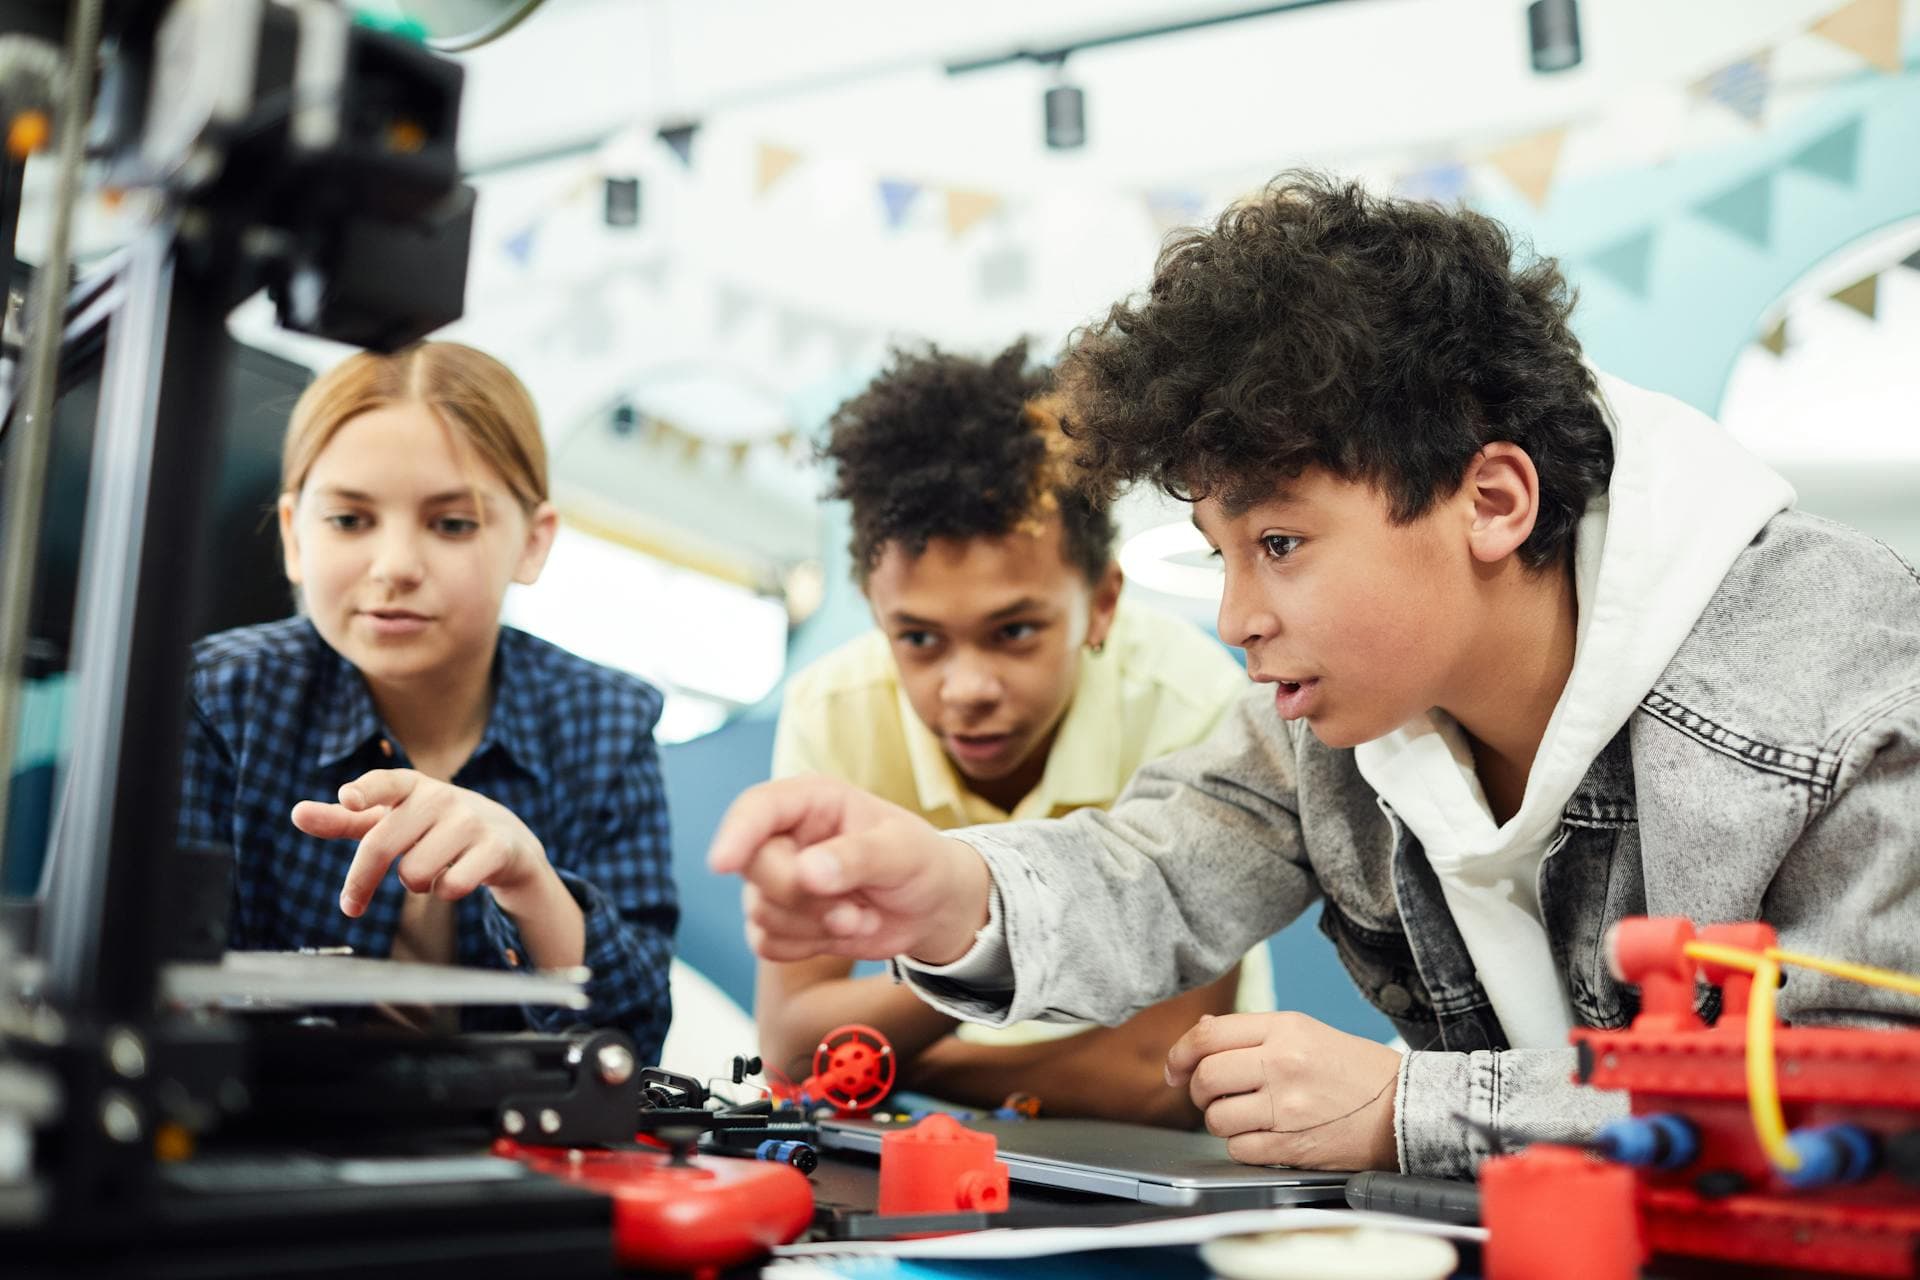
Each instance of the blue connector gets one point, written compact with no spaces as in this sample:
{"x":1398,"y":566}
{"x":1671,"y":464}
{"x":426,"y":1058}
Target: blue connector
{"x":1831,"y":1154}
{"x":1650,"y":1142}
{"x":790,"y":1151}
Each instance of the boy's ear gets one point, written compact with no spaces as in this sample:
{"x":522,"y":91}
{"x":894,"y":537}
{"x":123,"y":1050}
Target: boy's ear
{"x":543,"y":526}
{"x":289,"y":545}
{"x":1106,"y":599}
{"x":1505,"y":491}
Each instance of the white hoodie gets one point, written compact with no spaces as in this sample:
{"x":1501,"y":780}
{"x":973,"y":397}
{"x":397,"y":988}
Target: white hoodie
{"x":1684,"y":500}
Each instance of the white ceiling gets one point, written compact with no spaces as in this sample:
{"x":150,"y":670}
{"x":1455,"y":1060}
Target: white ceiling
{"x":864,"y":77}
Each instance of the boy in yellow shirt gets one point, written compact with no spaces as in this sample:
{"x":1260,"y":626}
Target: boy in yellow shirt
{"x":1005,"y":680}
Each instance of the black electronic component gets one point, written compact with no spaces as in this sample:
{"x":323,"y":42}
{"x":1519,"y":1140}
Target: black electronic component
{"x":1437,"y":1199}
{"x":1718,"y":1184}
{"x":1902,"y":1156}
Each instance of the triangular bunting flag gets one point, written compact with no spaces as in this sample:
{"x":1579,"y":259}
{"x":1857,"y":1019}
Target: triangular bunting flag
{"x":519,"y":245}
{"x":965,"y":208}
{"x":1529,"y":163}
{"x":679,"y":139}
{"x":1870,"y":28}
{"x":1746,"y":210}
{"x":1861,"y":295}
{"x":1627,"y":262}
{"x":1834,"y":155}
{"x":1439,"y":183}
{"x":1741,"y":87}
{"x":1912,"y":260}
{"x":1171,"y":210}
{"x":1775,"y":339}
{"x":897,"y":196}
{"x":737,"y":453}
{"x":582,"y":185}
{"x":773,"y":165}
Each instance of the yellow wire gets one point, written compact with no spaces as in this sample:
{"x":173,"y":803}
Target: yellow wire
{"x":1721,"y":954}
{"x":1763,"y":1084}
{"x":1867,"y":974}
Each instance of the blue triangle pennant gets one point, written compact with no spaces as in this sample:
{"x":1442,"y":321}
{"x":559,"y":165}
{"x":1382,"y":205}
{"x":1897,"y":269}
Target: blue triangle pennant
{"x":1440,"y":183}
{"x":1834,"y":155}
{"x":519,"y":245}
{"x":1171,"y":208}
{"x":1745,"y":210}
{"x":1742,"y":87}
{"x":898,"y":198}
{"x":1627,"y":262}
{"x":679,"y":139}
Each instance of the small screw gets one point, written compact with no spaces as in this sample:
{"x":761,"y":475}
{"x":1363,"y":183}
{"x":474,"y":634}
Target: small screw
{"x":549,"y":1120}
{"x":615,"y":1062}
{"x":513,"y":1122}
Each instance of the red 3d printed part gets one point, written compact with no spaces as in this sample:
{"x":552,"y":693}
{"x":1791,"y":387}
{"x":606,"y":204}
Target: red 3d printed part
{"x":853,"y":1069}
{"x":940,"y":1166}
{"x":1557,"y":1211}
{"x":675,"y":1214}
{"x":1757,"y":1100}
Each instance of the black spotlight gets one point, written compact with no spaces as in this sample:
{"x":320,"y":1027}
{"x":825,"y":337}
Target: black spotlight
{"x":1554,"y":28}
{"x":624,"y":419}
{"x":623,"y":202}
{"x":1066,"y":117}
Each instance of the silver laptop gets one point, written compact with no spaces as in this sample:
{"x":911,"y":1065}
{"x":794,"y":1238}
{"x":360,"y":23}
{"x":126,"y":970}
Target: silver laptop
{"x":1129,"y":1161}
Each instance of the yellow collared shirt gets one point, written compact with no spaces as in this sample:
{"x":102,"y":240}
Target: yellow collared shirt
{"x":1159,"y":684}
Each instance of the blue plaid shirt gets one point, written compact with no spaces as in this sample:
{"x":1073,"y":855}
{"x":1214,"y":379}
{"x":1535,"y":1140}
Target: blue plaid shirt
{"x":278,"y":716}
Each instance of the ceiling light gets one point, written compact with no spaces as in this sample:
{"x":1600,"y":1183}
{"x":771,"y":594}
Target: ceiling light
{"x":1553,"y":27}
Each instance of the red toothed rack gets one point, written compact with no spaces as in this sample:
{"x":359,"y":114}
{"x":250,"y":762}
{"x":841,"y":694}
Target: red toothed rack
{"x":1751,"y":1143}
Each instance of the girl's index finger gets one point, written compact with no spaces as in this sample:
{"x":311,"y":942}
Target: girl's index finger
{"x":380,"y":787}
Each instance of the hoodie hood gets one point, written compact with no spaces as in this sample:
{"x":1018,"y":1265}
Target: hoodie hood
{"x":1684,"y":500}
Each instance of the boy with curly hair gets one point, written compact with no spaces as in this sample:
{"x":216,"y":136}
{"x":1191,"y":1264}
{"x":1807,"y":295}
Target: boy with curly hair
{"x":1005,"y":678}
{"x":1538,"y":649}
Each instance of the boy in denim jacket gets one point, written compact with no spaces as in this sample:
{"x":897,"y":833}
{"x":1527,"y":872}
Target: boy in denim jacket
{"x":1535,"y":649}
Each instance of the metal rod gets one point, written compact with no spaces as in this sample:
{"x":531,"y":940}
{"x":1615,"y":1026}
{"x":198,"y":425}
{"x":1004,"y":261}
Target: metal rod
{"x":33,"y":430}
{"x":156,"y":452}
{"x":1059,"y":52}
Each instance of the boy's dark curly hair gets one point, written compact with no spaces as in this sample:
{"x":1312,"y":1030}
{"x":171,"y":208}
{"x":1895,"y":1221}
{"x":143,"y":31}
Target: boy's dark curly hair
{"x":941,"y":446}
{"x":1384,"y":340}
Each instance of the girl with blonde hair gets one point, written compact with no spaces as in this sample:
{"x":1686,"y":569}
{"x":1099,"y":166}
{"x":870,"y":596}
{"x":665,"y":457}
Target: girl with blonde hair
{"x":460,"y":792}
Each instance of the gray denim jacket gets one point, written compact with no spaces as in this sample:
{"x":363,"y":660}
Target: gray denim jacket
{"x":1771,"y":773}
